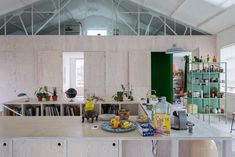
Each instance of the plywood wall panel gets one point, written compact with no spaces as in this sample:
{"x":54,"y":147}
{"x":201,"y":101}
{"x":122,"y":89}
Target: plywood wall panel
{"x":49,"y":70}
{"x":94,"y":64}
{"x":7,"y":76}
{"x":116,"y":72}
{"x":140,"y":72}
{"x":26,"y":50}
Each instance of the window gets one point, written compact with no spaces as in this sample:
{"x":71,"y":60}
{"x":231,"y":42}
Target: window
{"x":73,"y":72}
{"x":97,"y":32}
{"x":79,"y":72}
{"x":227,"y":54}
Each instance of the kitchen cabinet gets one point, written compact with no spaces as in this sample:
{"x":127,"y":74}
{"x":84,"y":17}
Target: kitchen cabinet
{"x":5,"y":147}
{"x":79,"y":148}
{"x":38,"y":148}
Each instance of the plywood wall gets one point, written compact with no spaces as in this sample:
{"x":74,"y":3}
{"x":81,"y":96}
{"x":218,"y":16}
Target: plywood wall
{"x":29,"y":62}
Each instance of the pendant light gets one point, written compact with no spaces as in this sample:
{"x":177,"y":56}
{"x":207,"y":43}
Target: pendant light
{"x":175,"y":49}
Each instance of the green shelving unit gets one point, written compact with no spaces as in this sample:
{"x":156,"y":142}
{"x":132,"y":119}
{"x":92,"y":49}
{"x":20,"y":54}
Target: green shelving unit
{"x":207,"y":88}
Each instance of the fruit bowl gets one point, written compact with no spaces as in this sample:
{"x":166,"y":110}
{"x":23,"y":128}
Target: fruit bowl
{"x":107,"y":126}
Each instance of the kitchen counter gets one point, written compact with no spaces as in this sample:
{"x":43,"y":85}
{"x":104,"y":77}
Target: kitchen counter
{"x":72,"y":127}
{"x":44,"y":132}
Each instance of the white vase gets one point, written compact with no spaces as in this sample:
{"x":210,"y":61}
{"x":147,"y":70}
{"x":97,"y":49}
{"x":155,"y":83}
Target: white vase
{"x":202,"y":148}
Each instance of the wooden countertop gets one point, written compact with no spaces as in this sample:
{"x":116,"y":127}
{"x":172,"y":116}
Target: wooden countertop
{"x":72,"y":127}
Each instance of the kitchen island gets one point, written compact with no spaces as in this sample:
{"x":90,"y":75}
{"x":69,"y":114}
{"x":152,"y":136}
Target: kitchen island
{"x":69,"y":137}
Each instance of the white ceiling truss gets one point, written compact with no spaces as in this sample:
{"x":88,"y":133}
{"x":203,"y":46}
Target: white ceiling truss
{"x":212,"y":16}
{"x":119,"y":17}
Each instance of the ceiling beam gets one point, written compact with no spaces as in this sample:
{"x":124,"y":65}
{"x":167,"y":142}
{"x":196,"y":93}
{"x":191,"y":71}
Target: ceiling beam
{"x":52,"y":17}
{"x":173,"y":31}
{"x":178,"y":6}
{"x":23,"y":25}
{"x":225,"y":29}
{"x":214,"y":16}
{"x":147,"y":29}
{"x":5,"y":22}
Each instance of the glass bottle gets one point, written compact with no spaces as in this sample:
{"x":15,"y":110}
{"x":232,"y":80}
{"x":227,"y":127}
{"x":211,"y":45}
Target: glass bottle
{"x":214,"y":59}
{"x":162,"y":107}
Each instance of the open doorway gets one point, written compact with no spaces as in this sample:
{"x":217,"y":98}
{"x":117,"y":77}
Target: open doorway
{"x":179,"y":76}
{"x":73,"y":72}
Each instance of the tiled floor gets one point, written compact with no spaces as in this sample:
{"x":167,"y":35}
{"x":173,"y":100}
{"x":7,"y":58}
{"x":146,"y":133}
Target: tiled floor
{"x":221,"y":125}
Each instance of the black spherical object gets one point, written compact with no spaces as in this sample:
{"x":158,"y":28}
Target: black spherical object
{"x":71,"y":93}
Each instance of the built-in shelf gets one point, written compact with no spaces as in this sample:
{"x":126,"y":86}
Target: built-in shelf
{"x":66,"y":108}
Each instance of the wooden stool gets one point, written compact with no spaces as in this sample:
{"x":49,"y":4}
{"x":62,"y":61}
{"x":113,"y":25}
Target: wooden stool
{"x":232,"y":123}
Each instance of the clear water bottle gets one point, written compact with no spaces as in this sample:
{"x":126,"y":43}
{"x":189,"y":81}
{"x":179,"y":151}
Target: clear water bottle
{"x":162,"y":107}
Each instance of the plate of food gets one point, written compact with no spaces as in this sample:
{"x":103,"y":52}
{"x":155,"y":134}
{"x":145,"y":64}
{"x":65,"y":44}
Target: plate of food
{"x":118,"y":126}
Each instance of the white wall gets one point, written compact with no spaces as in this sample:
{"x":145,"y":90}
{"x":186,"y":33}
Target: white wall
{"x":29,"y":62}
{"x":225,"y":38}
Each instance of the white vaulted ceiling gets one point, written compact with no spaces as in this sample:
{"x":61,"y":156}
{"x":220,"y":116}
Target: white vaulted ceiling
{"x":211,"y":16}
{"x":7,"y":6}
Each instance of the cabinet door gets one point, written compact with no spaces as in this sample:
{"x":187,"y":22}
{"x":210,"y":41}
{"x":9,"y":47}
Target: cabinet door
{"x":5,"y":146}
{"x":38,"y":148}
{"x":78,"y":148}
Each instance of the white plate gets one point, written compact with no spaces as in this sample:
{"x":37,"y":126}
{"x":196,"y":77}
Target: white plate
{"x":106,"y":117}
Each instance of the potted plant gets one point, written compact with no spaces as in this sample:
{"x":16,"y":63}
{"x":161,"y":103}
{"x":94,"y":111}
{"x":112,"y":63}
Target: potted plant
{"x":42,"y":92}
{"x":39,"y":94}
{"x":54,"y":94}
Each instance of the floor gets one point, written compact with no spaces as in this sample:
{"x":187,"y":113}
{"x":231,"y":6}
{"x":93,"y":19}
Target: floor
{"x":220,"y":124}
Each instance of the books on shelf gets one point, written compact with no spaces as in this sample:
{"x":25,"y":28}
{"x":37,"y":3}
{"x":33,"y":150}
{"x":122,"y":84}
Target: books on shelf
{"x":52,"y":110}
{"x":71,"y":110}
{"x":109,"y":109}
{"x":33,"y":111}
{"x":16,"y":109}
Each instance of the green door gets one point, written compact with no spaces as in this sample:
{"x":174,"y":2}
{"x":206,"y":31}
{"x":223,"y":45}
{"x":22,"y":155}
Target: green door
{"x":161,"y":74}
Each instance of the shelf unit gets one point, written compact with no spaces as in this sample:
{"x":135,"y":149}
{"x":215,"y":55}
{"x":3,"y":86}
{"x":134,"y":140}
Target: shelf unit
{"x":178,"y":85}
{"x":207,"y":88}
{"x":66,"y":108}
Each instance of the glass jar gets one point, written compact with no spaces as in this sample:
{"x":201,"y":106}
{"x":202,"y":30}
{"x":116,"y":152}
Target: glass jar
{"x":162,"y":107}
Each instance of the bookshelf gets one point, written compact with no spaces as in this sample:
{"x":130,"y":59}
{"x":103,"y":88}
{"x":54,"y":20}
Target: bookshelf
{"x":66,"y":108}
{"x":207,"y":88}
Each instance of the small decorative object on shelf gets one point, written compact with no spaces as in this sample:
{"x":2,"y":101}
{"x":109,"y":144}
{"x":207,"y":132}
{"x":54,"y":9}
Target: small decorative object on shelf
{"x":24,"y":95}
{"x":214,"y":59}
{"x":208,"y":58}
{"x":71,"y":93}
{"x":54,"y":96}
{"x":89,"y":112}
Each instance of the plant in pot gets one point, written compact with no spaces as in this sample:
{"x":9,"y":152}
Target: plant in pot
{"x":54,"y":94}
{"x":42,"y":92}
{"x":39,"y":95}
